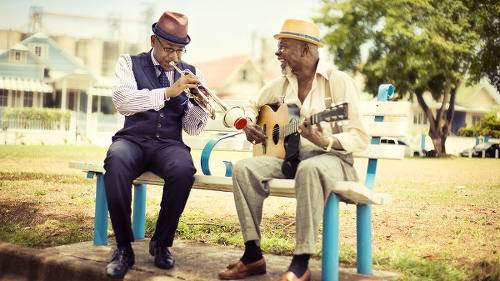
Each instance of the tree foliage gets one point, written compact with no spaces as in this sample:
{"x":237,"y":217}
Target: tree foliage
{"x":417,"y":45}
{"x":487,"y":64}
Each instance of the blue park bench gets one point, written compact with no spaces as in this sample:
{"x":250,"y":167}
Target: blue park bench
{"x":383,"y":119}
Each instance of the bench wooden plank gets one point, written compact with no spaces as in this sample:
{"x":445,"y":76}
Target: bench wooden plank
{"x":382,"y":151}
{"x":385,"y":108}
{"x":278,"y":187}
{"x":387,"y":129}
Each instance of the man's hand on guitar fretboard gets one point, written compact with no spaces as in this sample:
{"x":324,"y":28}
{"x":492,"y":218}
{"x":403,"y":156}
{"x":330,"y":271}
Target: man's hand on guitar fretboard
{"x":314,"y":133}
{"x":254,"y":132}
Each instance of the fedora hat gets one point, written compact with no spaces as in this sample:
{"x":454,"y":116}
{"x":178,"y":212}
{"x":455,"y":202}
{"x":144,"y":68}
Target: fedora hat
{"x":172,"y":27}
{"x":300,"y":30}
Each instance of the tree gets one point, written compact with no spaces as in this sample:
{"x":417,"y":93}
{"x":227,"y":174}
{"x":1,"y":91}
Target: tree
{"x":417,"y":45}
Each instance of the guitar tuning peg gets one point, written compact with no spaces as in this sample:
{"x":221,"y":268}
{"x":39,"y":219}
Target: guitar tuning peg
{"x":342,"y":123}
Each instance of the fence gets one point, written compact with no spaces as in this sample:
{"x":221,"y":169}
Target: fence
{"x":35,"y":124}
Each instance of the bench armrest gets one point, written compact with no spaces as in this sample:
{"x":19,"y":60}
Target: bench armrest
{"x":207,"y":150}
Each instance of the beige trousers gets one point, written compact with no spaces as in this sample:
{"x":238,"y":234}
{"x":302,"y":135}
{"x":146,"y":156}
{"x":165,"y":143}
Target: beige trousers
{"x":316,"y":176}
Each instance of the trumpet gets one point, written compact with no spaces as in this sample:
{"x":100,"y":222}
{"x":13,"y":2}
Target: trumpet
{"x":233,"y":116}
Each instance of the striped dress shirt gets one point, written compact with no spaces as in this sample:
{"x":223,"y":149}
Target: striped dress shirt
{"x":128,"y":99}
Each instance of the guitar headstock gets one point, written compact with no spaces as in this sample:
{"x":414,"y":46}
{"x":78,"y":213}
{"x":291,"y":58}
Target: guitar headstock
{"x":335,"y":113}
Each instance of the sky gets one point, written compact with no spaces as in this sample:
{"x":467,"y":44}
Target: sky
{"x":218,"y":28}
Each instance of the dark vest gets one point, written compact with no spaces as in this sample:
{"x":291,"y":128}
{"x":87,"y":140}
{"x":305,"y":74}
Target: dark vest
{"x":165,"y":123}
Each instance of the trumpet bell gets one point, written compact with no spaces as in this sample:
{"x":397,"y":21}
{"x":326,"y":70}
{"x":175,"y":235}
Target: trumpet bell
{"x":233,"y":117}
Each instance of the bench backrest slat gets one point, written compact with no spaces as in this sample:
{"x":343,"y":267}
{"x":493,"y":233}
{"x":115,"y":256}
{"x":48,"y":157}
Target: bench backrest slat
{"x":385,"y":108}
{"x":387,"y":129}
{"x":382,"y":151}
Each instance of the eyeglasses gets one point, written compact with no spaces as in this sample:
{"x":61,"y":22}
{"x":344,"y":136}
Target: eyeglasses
{"x":169,"y":50}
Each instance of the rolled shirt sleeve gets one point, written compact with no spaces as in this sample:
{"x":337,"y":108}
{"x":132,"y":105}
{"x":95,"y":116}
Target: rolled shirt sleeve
{"x":354,"y":136}
{"x":195,"y":118}
{"x":129,"y":100}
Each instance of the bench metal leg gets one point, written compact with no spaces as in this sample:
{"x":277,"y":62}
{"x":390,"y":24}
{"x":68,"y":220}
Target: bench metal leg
{"x":364,"y":223}
{"x":364,"y":233}
{"x":101,"y":211}
{"x":330,"y":253}
{"x":139,"y":216}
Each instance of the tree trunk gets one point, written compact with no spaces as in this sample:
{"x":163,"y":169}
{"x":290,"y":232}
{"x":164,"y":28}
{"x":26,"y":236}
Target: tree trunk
{"x":440,"y":125}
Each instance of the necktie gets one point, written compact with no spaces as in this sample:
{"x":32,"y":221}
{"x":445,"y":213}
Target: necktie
{"x":163,"y":79}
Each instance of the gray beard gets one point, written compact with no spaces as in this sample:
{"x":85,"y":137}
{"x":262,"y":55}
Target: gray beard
{"x":287,"y":71}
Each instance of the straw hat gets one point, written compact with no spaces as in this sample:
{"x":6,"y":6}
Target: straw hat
{"x":300,"y":30}
{"x":173,"y":27}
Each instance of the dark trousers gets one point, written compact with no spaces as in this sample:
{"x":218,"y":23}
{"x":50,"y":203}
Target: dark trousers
{"x":128,"y":158}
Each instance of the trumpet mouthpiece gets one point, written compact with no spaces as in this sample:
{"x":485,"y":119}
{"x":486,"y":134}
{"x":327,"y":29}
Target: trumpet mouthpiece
{"x":172,"y":63}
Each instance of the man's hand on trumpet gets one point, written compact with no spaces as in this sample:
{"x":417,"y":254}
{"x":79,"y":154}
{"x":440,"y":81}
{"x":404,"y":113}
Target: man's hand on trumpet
{"x":187,"y":81}
{"x":254,"y":132}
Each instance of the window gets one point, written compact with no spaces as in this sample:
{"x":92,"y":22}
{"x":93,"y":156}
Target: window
{"x":17,"y":56}
{"x":28,"y":99}
{"x":107,"y":106}
{"x":17,"y":98}
{"x":244,"y":74}
{"x":52,"y":100}
{"x":4,"y":97}
{"x":95,"y":102}
{"x":38,"y":51}
{"x":475,"y":119}
{"x":72,"y":100}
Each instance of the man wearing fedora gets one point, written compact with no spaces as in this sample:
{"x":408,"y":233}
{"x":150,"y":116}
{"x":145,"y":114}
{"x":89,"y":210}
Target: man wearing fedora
{"x":324,"y":150}
{"x":151,"y":96}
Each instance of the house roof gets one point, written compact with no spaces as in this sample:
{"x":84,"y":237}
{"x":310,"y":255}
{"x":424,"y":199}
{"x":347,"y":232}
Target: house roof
{"x":57,"y":59}
{"x":24,"y":84}
{"x":216,"y":72}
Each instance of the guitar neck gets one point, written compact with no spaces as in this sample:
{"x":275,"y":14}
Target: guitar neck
{"x":293,"y":126}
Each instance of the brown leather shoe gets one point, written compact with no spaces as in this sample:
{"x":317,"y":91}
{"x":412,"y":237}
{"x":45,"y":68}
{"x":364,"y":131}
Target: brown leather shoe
{"x":290,"y":276}
{"x":239,"y":270}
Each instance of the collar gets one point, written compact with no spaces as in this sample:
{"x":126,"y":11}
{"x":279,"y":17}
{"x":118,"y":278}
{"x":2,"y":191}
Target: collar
{"x":322,"y":69}
{"x":155,"y":62}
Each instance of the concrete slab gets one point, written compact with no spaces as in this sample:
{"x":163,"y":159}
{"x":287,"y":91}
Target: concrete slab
{"x":194,"y":261}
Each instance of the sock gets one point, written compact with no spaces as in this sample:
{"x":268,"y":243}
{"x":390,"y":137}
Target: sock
{"x":299,"y":264}
{"x":125,"y":245}
{"x":252,"y":253}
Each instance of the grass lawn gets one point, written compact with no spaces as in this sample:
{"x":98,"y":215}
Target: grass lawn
{"x":444,"y":223}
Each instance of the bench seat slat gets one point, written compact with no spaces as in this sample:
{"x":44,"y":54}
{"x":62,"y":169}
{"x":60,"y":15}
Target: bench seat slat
{"x":352,"y":191}
{"x":87,"y":167}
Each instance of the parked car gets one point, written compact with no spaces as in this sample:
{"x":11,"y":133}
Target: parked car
{"x":409,"y":151}
{"x":489,"y":149}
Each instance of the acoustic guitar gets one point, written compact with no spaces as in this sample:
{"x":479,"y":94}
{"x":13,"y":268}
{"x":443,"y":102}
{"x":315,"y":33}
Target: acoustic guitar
{"x":276,"y":126}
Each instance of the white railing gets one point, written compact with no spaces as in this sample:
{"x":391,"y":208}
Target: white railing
{"x":34,"y":124}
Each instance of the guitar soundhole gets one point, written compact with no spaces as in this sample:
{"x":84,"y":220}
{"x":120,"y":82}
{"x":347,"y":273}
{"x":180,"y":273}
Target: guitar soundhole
{"x":276,"y":131}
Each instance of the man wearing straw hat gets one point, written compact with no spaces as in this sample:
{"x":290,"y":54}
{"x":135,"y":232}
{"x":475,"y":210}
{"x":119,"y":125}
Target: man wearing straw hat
{"x":151,"y":96}
{"x":324,"y":150}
